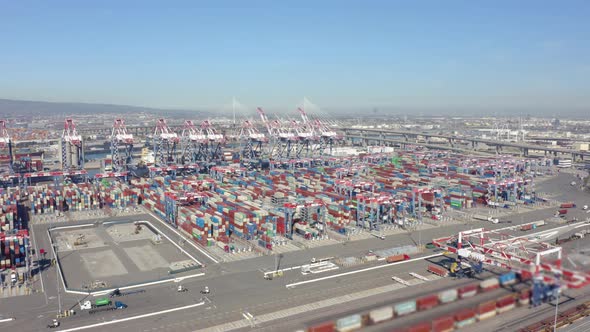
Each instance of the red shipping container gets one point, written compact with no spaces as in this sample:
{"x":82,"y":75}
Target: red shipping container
{"x":443,"y":324}
{"x":324,"y":327}
{"x":422,"y":327}
{"x":464,"y":314}
{"x":468,"y":290}
{"x":486,"y":307}
{"x":524,"y":294}
{"x":427,"y":302}
{"x":505,"y":301}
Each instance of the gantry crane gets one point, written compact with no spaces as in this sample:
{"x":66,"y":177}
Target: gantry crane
{"x":213,"y":144}
{"x":165,"y":142}
{"x":375,"y":209}
{"x":121,"y":146}
{"x":312,"y":212}
{"x":72,"y":151}
{"x":281,"y":138}
{"x":306,"y":134}
{"x":253,"y":141}
{"x":192,"y":141}
{"x":6,"y":175}
{"x":327,"y":137}
{"x":526,"y":255}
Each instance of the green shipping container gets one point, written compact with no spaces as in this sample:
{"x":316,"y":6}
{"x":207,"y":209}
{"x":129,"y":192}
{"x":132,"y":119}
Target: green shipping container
{"x":102,"y":302}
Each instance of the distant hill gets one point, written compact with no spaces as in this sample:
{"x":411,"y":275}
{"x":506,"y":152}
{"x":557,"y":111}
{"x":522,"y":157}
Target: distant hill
{"x":10,"y":107}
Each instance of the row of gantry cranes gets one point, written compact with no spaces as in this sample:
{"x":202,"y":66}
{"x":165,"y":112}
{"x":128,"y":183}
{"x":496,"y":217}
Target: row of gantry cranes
{"x":196,"y":148}
{"x":280,"y":144}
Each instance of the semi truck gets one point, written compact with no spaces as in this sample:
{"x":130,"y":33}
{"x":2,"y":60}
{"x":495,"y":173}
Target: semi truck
{"x":101,"y":304}
{"x":486,"y":218}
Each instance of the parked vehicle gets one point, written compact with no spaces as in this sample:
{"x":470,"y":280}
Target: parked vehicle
{"x":54,"y":324}
{"x":397,"y":258}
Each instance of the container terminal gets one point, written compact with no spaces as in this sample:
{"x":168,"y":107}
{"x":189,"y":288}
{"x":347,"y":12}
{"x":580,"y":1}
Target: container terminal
{"x":277,"y":224}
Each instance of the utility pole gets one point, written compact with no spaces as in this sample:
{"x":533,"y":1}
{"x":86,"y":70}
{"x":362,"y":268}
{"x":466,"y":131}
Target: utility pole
{"x":57,"y":279}
{"x":558,"y":277}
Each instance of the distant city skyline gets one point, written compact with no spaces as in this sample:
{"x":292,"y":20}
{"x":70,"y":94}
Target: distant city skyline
{"x":428,"y":56}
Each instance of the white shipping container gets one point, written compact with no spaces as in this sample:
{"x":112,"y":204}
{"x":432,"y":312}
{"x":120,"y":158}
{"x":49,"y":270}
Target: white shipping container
{"x":489,"y":283}
{"x":381,"y":315}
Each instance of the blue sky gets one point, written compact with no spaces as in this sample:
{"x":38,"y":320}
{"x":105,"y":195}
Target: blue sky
{"x":401,"y":54}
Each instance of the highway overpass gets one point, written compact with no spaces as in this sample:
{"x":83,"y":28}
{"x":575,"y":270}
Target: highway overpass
{"x":411,"y":137}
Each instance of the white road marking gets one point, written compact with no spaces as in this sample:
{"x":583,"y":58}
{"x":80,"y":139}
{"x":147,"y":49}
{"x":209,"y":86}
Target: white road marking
{"x":417,"y":276}
{"x":180,"y":235}
{"x":134,"y":317}
{"x":6,"y":320}
{"x":362,"y":270}
{"x":400,"y":280}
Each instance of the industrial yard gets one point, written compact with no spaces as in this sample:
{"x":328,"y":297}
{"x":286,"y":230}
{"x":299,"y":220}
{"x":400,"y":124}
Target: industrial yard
{"x":112,"y":255}
{"x":322,"y":234}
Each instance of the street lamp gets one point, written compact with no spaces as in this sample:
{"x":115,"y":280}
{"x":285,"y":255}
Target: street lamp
{"x":57,"y":278}
{"x":557,"y":289}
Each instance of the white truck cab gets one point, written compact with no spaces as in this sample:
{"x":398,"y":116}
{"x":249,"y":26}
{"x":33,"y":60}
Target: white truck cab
{"x":87,"y":305}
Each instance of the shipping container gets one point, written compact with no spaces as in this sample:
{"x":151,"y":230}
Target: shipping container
{"x":443,"y":324}
{"x":323,"y":327}
{"x":405,"y":308}
{"x":447,"y":296}
{"x":397,"y":258}
{"x":465,"y":317}
{"x":505,"y":303}
{"x":349,"y":323}
{"x":486,"y":310}
{"x":438,"y":270}
{"x":489,"y":284}
{"x":427,"y":302}
{"x":507,"y":278}
{"x":381,"y":315}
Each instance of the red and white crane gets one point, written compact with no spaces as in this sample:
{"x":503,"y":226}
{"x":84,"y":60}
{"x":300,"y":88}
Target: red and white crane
{"x":164,"y":144}
{"x":526,"y":255}
{"x":281,"y":138}
{"x":252,"y":144}
{"x":307,"y":138}
{"x":72,"y":151}
{"x":192,"y":141}
{"x":6,"y":144}
{"x":121,"y":146}
{"x":213,"y":145}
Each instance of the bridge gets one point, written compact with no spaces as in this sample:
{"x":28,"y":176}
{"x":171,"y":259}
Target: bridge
{"x":381,"y":135}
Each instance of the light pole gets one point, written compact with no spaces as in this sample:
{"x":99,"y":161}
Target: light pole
{"x":57,"y":279}
{"x":557,"y":289}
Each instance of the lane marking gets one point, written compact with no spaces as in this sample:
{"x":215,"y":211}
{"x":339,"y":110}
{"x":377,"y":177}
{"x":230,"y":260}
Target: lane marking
{"x":401,"y":281}
{"x":417,"y":276}
{"x":362,"y":270}
{"x":6,"y":320}
{"x":115,"y":321}
{"x":180,"y":235}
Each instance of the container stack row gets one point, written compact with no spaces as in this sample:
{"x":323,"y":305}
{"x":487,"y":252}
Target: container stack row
{"x":13,"y":250}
